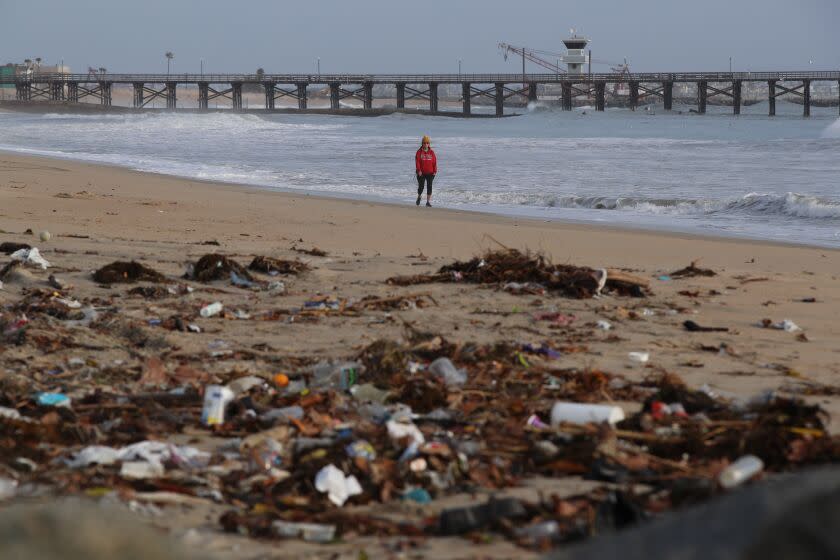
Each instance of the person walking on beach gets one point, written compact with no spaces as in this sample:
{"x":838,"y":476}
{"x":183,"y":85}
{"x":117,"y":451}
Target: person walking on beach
{"x":425,"y":162}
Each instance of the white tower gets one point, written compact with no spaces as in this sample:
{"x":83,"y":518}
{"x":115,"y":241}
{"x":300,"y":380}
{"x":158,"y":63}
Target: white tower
{"x":576,"y":57}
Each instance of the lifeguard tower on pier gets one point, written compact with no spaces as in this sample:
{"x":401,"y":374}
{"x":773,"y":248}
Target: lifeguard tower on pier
{"x":576,"y":57}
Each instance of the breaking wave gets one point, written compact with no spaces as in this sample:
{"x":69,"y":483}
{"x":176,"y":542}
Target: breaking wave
{"x":791,"y":205}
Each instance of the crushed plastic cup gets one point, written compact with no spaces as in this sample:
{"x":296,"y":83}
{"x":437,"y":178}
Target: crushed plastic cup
{"x":338,"y":486}
{"x":211,"y":309}
{"x":341,"y":376}
{"x":603,"y":324}
{"x":444,"y":368}
{"x":639,"y":357}
{"x":740,"y":471}
{"x":577,"y":413}
{"x":399,"y":430}
{"x":216,"y":399}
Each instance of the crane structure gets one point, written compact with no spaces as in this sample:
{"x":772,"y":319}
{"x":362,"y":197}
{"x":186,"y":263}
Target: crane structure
{"x":535,"y":56}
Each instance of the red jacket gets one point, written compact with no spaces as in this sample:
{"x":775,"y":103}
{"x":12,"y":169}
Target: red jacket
{"x":426,"y":162}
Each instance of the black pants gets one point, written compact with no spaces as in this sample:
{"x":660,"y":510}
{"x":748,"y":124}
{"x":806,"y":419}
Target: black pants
{"x":427,"y":180}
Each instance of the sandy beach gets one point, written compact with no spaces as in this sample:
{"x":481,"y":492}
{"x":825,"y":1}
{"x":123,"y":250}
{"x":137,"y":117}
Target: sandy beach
{"x":98,"y":214}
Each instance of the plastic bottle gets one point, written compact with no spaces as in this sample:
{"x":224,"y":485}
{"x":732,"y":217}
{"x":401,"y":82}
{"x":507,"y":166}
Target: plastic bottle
{"x":287,"y":412}
{"x":312,"y":532}
{"x":539,"y":531}
{"x":341,"y":376}
{"x":212,"y":309}
{"x":443,"y":367}
{"x":576,"y":413}
{"x":740,"y":471}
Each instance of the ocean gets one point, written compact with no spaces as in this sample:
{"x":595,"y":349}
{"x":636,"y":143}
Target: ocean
{"x":716,"y":174}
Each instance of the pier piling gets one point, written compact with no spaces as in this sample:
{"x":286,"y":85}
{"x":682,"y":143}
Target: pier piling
{"x":105,"y":88}
{"x":771,"y":97}
{"x":236,"y":95}
{"x":702,"y":93}
{"x":532,"y":92}
{"x":566,"y":95}
{"x":433,"y":97}
{"x":269,"y":95}
{"x":500,"y":99}
{"x":171,"y":95}
{"x":400,"y":95}
{"x":335,"y":89}
{"x":466,"y":97}
{"x":736,"y":97}
{"x":301,"y":95}
{"x":806,"y":98}
{"x":668,"y":95}
{"x":634,"y":95}
{"x":73,"y":92}
{"x":600,"y":96}
{"x":368,"y":95}
{"x":138,"y":94}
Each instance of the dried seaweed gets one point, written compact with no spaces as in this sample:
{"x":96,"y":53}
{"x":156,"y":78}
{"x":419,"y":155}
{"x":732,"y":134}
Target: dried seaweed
{"x":268,"y":265}
{"x":126,"y":273}
{"x":691,"y":271}
{"x":213,"y":266}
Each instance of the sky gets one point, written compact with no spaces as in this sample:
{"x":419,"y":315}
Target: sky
{"x":419,"y":36}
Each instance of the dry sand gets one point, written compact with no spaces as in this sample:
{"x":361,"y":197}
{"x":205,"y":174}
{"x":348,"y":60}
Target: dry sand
{"x":99,"y":214}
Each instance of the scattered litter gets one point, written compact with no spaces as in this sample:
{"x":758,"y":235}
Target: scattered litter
{"x":211,"y":309}
{"x":740,"y":471}
{"x":270,"y":266}
{"x":216,"y":267}
{"x":603,"y":324}
{"x":640,"y":357}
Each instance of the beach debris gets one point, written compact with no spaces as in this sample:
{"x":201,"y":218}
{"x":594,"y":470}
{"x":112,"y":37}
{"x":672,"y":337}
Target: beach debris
{"x":603,"y":324}
{"x":127,"y":273}
{"x":692,"y":270}
{"x":44,"y":236}
{"x":30,"y":257}
{"x":313,"y":252}
{"x":740,"y":471}
{"x":213,"y":267}
{"x":507,"y":266}
{"x":639,"y":357}
{"x":270,"y":266}
{"x":691,"y":326}
{"x":338,"y":486}
{"x":576,"y":413}
{"x":211,"y":309}
{"x":786,"y":325}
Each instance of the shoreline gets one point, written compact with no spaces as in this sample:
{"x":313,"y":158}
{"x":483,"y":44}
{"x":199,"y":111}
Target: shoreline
{"x":684,"y":233}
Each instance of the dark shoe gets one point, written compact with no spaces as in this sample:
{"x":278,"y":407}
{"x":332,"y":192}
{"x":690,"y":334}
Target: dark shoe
{"x":429,"y":204}
{"x":418,"y":200}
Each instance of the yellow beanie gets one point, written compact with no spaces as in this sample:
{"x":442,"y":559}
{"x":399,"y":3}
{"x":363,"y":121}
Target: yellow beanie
{"x":426,"y":140}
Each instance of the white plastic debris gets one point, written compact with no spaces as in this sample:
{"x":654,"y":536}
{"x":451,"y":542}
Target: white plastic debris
{"x":10,"y":413}
{"x":601,"y":277}
{"x":245,"y":384}
{"x":400,"y":430}
{"x":338,"y":487}
{"x":740,"y":471}
{"x":640,"y":357}
{"x":94,"y":454}
{"x":30,"y":257}
{"x":8,"y":488}
{"x":603,"y":324}
{"x":216,"y":399}
{"x":141,"y":469}
{"x":577,"y":413}
{"x":787,"y":325}
{"x":312,"y":532}
{"x":444,"y":368}
{"x":213,"y":309}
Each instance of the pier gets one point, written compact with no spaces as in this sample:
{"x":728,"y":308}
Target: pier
{"x":496,"y":89}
